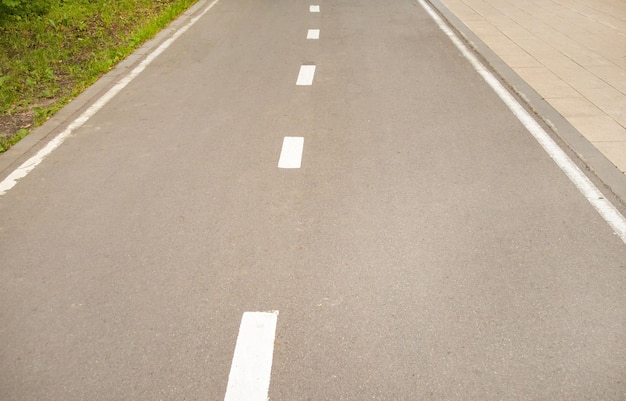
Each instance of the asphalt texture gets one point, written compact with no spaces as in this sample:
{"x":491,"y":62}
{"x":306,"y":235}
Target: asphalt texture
{"x":427,"y":249}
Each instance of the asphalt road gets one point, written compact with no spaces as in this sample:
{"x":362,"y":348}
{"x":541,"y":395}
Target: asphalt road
{"x":426,"y":249}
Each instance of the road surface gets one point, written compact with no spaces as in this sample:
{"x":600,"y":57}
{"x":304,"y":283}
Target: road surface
{"x":413,"y":242}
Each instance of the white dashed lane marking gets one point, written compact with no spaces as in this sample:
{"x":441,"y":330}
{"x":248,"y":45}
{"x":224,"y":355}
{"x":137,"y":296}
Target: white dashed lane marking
{"x":249,"y":378}
{"x":306,"y":74}
{"x":291,"y":153}
{"x":313,"y":34}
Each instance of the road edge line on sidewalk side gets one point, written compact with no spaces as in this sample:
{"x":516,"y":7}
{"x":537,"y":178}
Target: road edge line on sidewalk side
{"x":594,"y":196}
{"x":596,"y":162}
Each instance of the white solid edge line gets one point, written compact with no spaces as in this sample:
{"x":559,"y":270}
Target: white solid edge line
{"x":306,"y":74}
{"x":251,"y":369}
{"x":314,"y":9}
{"x":606,"y":209}
{"x":313,"y":34}
{"x":291,"y":152}
{"x":29,"y":165}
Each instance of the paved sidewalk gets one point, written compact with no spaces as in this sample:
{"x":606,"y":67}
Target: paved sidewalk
{"x":572,"y":52}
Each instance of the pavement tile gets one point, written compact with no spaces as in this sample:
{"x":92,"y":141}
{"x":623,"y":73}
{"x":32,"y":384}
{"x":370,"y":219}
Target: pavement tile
{"x":484,"y":28}
{"x":620,"y":61}
{"x":591,"y":10}
{"x":546,"y":82}
{"x":538,"y":48}
{"x":576,"y":107}
{"x":497,"y":41}
{"x":611,"y":74}
{"x":611,"y":48}
{"x":599,"y":128}
{"x":462,"y":11}
{"x":578,"y":77}
{"x":610,"y":101}
{"x":615,"y":152}
{"x":532,"y":16}
{"x":519,"y":58}
{"x":501,"y":44}
{"x":575,"y":52}
{"x":512,"y":29}
{"x":485,"y":9}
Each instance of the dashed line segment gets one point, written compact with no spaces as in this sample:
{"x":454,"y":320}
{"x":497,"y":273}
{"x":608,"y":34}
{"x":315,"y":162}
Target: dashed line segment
{"x":249,"y":378}
{"x":306,"y":75}
{"x":291,"y":152}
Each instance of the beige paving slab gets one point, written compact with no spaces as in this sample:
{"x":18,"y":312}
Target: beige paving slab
{"x":612,"y":75}
{"x":599,"y":128}
{"x":609,"y":9}
{"x":508,"y":50}
{"x":610,"y":101}
{"x":577,"y":76}
{"x":615,"y":152}
{"x":576,"y":107}
{"x":538,"y":48}
{"x":512,"y":29}
{"x":463,"y":11}
{"x":574,"y":51}
{"x":519,"y":58}
{"x":485,"y":9}
{"x":484,"y":28}
{"x":501,"y":44}
{"x":546,"y":82}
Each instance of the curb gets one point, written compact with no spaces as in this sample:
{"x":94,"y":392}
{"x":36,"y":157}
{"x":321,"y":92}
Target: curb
{"x":593,"y":160}
{"x":41,"y":135}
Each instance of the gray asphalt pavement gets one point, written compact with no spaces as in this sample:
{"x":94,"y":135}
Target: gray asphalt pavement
{"x":427,"y":248}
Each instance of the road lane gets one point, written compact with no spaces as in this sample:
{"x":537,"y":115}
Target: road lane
{"x":427,"y":248}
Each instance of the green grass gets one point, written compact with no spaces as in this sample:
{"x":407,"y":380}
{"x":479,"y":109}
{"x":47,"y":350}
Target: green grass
{"x":46,"y":60}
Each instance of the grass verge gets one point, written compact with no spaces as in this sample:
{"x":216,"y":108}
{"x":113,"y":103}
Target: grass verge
{"x":46,"y":60}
